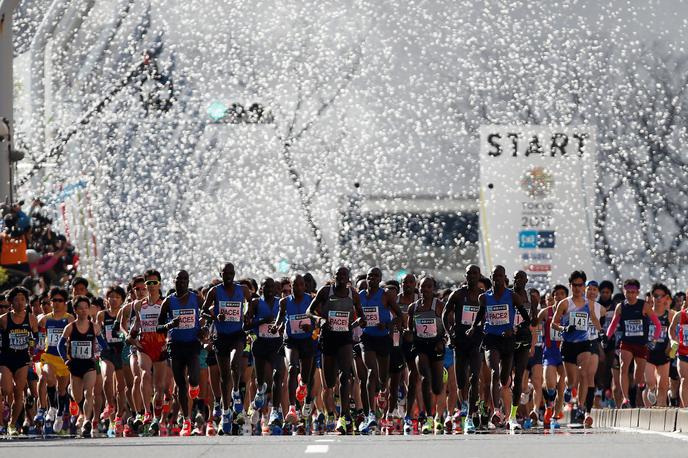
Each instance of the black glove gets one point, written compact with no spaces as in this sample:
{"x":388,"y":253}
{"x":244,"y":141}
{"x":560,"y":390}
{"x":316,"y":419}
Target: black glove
{"x":604,"y":340}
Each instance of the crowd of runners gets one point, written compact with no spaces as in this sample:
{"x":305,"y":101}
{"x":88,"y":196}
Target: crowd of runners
{"x":356,"y":356}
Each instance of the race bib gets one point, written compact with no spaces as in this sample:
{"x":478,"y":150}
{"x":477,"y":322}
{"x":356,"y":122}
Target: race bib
{"x":592,"y":330}
{"x":109,"y":336}
{"x":633,"y":328}
{"x":540,"y":337}
{"x":396,"y":337}
{"x":579,"y":320}
{"x":149,"y":322}
{"x":684,"y":330}
{"x":339,"y":321}
{"x":295,"y":323}
{"x":426,"y":328}
{"x":468,"y":313}
{"x":264,"y":332}
{"x":555,"y":335}
{"x":187,"y":318}
{"x":231,"y":310}
{"x":82,"y":350}
{"x":19,"y":339}
{"x":54,"y":335}
{"x":372,"y":315}
{"x":498,"y":315}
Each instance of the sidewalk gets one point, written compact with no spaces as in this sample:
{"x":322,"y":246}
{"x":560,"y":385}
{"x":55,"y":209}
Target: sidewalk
{"x":661,"y":419}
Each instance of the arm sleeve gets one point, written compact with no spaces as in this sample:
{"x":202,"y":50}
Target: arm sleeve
{"x":613,"y":325}
{"x":658,"y":327}
{"x":62,"y":348}
{"x":102,"y":342}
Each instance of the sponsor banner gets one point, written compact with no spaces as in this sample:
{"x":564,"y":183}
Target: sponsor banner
{"x":537,"y":191}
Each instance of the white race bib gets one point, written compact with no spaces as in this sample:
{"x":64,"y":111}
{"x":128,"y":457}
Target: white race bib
{"x":18,"y":339}
{"x":231,"y":310}
{"x":339,"y":321}
{"x":633,"y":328}
{"x":149,"y":322}
{"x":426,"y":328}
{"x":555,"y":335}
{"x":264,"y":332}
{"x":468,"y":313}
{"x":295,"y":323}
{"x":81,"y":349}
{"x":372,"y":316}
{"x":187,"y":318}
{"x":579,"y":320}
{"x":54,"y":335}
{"x":498,"y":314}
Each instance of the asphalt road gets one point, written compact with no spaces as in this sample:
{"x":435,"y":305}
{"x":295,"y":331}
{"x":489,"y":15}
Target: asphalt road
{"x":563,"y":444}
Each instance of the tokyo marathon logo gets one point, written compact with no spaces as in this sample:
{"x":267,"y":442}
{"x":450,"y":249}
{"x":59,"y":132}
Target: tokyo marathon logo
{"x":537,"y":182}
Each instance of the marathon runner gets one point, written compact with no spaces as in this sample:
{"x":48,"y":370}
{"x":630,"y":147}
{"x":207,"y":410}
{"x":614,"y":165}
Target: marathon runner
{"x":225,"y":305}
{"x":458,"y":317}
{"x":179,"y":318}
{"x":497,"y":311}
{"x":425,"y":322}
{"x":18,"y":329}
{"x":678,"y":330}
{"x":632,"y":314}
{"x":658,"y":360}
{"x":381,"y":314}
{"x":337,"y":310}
{"x":53,"y":367}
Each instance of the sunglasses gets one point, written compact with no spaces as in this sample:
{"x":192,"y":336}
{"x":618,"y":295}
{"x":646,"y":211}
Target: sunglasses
{"x":658,"y":296}
{"x":152,"y":282}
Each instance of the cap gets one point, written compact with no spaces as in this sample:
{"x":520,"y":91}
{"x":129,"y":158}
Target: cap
{"x":592,"y":283}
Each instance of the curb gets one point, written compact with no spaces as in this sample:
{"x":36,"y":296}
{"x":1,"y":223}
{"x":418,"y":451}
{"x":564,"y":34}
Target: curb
{"x":661,"y":419}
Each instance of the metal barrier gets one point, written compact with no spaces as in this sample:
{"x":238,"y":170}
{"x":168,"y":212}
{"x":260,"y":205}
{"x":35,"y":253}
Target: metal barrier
{"x":661,"y":419}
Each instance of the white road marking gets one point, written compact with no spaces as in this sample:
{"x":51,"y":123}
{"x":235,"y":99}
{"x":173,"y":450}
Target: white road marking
{"x":317,"y":448}
{"x":674,"y":435}
{"x":324,"y":440}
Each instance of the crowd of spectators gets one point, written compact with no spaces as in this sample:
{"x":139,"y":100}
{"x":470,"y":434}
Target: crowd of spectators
{"x":32,"y":253}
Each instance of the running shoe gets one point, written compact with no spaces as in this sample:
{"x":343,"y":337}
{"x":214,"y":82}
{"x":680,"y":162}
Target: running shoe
{"x":58,"y":424}
{"x":73,"y":409}
{"x":382,"y":401}
{"x":217,"y":410}
{"x":330,"y":424}
{"x":439,"y":425}
{"x":408,"y":426}
{"x":341,"y":426}
{"x":107,"y":412}
{"x":259,"y":400}
{"x":307,"y":410}
{"x":119,"y":426}
{"x":301,"y":393}
{"x":371,"y":420}
{"x":514,"y":425}
{"x":86,"y":430}
{"x":292,"y":416}
{"x":163,"y":430}
{"x":210,"y":428}
{"x":567,"y":395}
{"x":186,"y":429}
{"x":587,"y":422}
{"x":147,"y":418}
{"x":428,"y":426}
{"x":40,"y":416}
{"x":12,"y":430}
{"x":238,"y":404}
{"x":652,"y":397}
{"x":469,"y":427}
{"x":227,"y":422}
{"x":274,"y":418}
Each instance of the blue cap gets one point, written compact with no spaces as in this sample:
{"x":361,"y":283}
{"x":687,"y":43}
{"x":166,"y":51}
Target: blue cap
{"x":592,"y":283}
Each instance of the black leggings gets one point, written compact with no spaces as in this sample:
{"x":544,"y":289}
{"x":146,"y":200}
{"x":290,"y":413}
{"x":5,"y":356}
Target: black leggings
{"x":340,"y":362}
{"x":185,"y":363}
{"x":468,"y":358}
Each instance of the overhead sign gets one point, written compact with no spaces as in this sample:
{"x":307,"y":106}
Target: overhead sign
{"x":537,"y":198}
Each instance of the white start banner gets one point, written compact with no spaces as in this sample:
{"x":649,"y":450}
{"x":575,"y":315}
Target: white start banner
{"x":537,"y":201}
